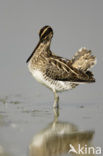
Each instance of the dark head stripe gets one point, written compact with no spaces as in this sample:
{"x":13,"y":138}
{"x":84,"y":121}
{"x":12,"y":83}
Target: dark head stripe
{"x":45,"y":31}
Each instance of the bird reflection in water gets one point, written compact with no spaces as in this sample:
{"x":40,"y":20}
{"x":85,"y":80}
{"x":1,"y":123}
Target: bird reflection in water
{"x":57,"y":139}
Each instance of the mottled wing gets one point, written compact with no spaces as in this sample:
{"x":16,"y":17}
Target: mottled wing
{"x":62,"y":70}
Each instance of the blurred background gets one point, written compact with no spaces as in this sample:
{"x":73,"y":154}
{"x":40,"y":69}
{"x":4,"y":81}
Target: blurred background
{"x":76,"y":24}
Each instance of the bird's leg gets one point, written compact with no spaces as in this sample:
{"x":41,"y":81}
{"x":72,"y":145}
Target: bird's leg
{"x":56,"y":100}
{"x":56,"y":113}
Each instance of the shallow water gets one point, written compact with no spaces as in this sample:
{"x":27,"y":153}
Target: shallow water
{"x":27,"y":120}
{"x":31,"y":128}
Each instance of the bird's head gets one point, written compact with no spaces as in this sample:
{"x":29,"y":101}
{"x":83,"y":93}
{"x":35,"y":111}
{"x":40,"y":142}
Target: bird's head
{"x":46,"y":33}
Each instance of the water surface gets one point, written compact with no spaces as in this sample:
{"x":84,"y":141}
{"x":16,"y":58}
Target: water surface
{"x":31,"y":128}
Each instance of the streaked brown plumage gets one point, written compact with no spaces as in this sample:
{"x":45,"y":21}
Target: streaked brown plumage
{"x":58,"y":73}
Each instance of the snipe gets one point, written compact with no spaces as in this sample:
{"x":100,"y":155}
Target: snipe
{"x":57,"y":73}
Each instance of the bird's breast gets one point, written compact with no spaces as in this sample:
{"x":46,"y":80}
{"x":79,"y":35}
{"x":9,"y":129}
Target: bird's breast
{"x":38,"y":75}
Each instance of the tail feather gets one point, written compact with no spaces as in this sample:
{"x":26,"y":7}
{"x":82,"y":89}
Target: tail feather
{"x":83,"y":60}
{"x":91,"y":76}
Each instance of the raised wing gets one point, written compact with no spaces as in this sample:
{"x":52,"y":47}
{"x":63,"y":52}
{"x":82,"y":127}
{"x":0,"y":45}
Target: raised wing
{"x":62,"y":70}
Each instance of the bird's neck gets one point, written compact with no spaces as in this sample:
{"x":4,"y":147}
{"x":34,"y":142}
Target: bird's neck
{"x":41,"y":48}
{"x":45,"y":45}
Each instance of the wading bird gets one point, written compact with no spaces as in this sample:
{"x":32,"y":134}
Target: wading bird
{"x":57,"y":73}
